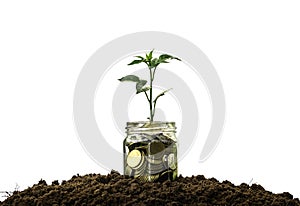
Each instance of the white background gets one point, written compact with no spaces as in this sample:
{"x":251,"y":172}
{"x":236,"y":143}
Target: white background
{"x":254,"y":46}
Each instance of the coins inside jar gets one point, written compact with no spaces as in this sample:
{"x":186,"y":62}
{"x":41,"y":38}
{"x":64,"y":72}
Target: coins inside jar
{"x":134,"y":158}
{"x":128,"y":171}
{"x":171,"y":161}
{"x":151,"y":157}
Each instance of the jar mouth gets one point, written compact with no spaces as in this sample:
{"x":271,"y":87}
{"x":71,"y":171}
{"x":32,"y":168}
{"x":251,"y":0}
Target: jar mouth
{"x":153,"y":122}
{"x":147,"y":126}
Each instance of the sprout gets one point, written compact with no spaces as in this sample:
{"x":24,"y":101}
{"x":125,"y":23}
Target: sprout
{"x":141,"y":86}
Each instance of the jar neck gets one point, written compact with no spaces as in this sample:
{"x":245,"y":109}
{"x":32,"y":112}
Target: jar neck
{"x":150,"y":127}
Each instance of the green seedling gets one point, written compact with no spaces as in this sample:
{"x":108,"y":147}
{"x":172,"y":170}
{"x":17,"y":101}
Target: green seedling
{"x":141,"y":87}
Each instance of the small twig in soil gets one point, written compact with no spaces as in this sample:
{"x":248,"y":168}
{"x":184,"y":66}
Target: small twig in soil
{"x":10,"y":193}
{"x":6,"y":193}
{"x":250,"y":182}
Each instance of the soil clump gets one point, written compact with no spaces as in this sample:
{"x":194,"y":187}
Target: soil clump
{"x":116,"y":189}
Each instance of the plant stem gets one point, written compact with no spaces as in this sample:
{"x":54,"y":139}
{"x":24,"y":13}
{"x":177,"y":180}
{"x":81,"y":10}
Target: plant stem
{"x":150,"y":102}
{"x":147,"y":97}
{"x":154,"y":109}
{"x":154,"y":73}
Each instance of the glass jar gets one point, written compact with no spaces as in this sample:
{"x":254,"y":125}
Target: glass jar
{"x":150,"y":151}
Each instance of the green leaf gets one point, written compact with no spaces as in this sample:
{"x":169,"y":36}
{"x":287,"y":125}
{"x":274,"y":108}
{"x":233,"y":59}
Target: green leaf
{"x":140,"y":84}
{"x":137,"y":61}
{"x":140,"y":57}
{"x":161,"y":94}
{"x":154,"y":63}
{"x":130,"y":78}
{"x":164,"y":57}
{"x":150,"y":54}
{"x":144,"y":89}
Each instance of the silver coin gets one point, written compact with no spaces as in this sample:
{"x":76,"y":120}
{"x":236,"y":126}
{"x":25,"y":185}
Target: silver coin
{"x":171,"y":161}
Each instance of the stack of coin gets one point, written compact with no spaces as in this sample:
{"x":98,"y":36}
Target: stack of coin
{"x":136,"y":161}
{"x":151,"y":160}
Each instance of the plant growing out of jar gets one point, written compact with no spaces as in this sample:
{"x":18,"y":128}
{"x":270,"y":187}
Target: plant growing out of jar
{"x":150,"y":148}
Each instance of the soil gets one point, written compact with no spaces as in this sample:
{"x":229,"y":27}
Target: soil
{"x":116,"y":189}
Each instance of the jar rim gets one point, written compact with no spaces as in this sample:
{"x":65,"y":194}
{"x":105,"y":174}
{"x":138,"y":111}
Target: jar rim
{"x":147,"y":126}
{"x":153,"y":122}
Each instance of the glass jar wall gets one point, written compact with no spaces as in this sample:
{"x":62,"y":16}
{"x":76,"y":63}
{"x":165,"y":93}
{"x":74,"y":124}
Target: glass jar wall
{"x":150,"y":151}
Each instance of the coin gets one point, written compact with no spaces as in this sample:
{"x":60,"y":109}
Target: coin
{"x":140,"y":169}
{"x":128,"y":171}
{"x":171,"y":161}
{"x":134,"y":158}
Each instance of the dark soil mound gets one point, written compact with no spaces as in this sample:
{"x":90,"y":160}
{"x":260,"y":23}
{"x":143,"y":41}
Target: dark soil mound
{"x":116,"y":189}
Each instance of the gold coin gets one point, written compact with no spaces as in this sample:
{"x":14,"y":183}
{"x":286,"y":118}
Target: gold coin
{"x":128,"y":171}
{"x":134,"y":158}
